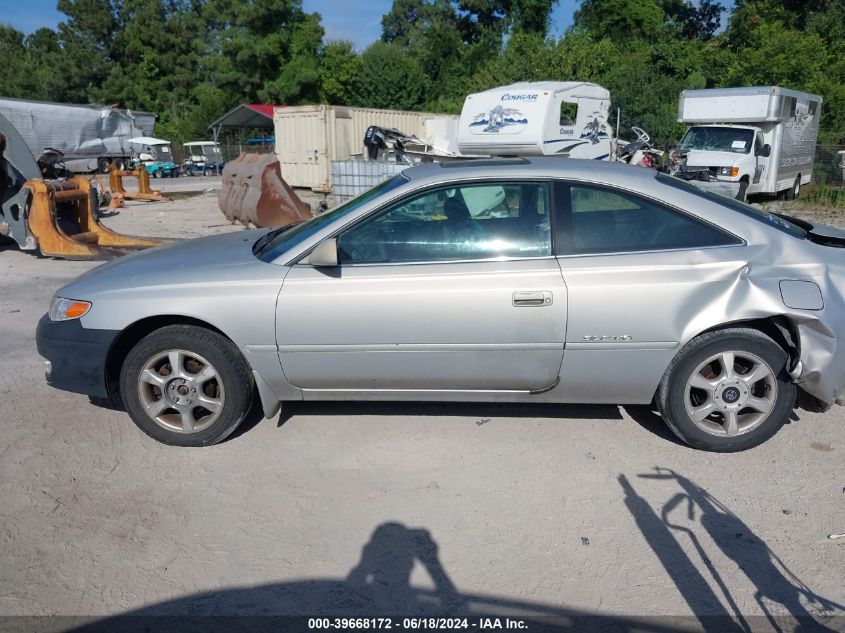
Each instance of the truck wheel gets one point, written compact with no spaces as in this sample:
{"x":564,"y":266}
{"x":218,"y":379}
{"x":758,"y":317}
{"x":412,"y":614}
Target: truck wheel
{"x":158,"y":173}
{"x":103,"y":165}
{"x":793,"y":192}
{"x":119,"y":164}
{"x":742,"y":194}
{"x":727,"y":390}
{"x":186,"y":386}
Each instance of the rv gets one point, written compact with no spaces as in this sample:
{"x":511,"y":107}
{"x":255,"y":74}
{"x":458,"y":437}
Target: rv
{"x":743,"y":141}
{"x":560,"y":118}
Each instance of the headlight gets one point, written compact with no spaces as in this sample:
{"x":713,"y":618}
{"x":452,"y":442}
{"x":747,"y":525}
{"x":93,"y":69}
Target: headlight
{"x":733,"y":172}
{"x":62,"y":309}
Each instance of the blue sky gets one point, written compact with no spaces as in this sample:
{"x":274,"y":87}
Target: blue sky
{"x":357,"y":21}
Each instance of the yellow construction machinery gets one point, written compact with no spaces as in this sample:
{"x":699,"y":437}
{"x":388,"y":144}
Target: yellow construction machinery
{"x":45,"y":208}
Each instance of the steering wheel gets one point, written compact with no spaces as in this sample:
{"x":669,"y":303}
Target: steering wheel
{"x":641,"y":135}
{"x":365,"y":246}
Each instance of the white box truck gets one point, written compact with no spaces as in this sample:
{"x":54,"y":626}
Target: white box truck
{"x":742,"y":141}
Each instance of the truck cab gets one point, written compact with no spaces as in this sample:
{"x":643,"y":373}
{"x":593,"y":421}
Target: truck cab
{"x":736,"y":156}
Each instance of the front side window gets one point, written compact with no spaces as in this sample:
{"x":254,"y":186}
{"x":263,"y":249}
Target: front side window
{"x":276,"y":242}
{"x":600,"y":220}
{"x":465,"y":222}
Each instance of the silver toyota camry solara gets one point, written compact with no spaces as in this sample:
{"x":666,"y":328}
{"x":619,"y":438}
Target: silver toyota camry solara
{"x":542,"y":280}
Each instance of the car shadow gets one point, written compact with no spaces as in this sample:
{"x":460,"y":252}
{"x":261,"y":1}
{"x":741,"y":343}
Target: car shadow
{"x":376,"y":588}
{"x":650,"y":420}
{"x":480,"y":410}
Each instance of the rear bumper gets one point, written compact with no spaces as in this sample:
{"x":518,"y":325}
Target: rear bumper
{"x":76,"y":356}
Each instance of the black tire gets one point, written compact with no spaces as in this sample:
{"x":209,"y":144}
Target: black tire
{"x":795,"y":189}
{"x":158,"y":173}
{"x":742,"y":194}
{"x":206,"y":172}
{"x":103,"y":165}
{"x":672,"y":392}
{"x":224,"y":357}
{"x":119,"y":164}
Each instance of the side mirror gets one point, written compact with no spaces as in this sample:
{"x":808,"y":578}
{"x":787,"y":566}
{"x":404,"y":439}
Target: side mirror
{"x":324,"y":256}
{"x":766,"y":151}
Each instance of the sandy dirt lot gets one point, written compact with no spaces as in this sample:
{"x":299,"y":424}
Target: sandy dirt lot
{"x":396,"y":508}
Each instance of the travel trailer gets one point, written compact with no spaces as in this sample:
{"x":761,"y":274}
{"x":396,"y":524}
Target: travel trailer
{"x":560,"y":118}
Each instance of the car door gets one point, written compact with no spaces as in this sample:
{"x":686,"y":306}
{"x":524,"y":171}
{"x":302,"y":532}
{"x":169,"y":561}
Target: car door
{"x":450,"y":289}
{"x":638,"y":274}
{"x":761,"y":162}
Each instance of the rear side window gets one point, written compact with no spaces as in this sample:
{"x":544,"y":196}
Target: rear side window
{"x":595,"y":220}
{"x":740,"y":207}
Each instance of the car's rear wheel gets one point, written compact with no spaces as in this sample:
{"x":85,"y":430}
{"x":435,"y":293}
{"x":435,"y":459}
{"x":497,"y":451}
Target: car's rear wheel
{"x":186,"y":386}
{"x":727,"y":390}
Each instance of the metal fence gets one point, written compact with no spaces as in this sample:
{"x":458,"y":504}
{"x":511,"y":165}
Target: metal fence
{"x":829,"y":166}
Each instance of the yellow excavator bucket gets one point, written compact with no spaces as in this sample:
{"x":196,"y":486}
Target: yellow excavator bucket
{"x":61,"y":217}
{"x":41,"y":208}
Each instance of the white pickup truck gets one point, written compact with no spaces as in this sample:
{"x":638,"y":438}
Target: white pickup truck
{"x":742,"y":141}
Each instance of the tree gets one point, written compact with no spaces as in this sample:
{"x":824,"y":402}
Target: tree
{"x":620,"y":19}
{"x":389,"y":78}
{"x":339,"y":68}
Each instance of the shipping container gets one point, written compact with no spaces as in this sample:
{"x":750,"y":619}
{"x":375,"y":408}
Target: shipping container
{"x":309,"y":138}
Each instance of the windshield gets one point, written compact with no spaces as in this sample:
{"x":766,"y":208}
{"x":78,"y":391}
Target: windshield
{"x":211,"y":151}
{"x":719,"y":139}
{"x":161,"y":153}
{"x":285,"y":238}
{"x":732,"y":203}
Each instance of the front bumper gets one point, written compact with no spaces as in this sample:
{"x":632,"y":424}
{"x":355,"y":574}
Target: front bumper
{"x":76,"y":356}
{"x":722,"y":187}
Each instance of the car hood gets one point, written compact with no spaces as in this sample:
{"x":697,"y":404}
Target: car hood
{"x":701,"y":158}
{"x":219,"y":258}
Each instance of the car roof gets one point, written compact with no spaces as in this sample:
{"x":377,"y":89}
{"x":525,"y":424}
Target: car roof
{"x":544,"y":167}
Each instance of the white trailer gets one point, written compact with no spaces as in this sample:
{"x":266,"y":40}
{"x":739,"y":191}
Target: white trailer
{"x":90,"y":136}
{"x":742,"y":141}
{"x":561,"y":118}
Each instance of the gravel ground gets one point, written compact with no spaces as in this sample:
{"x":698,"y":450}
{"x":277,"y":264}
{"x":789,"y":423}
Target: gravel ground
{"x":567,"y":509}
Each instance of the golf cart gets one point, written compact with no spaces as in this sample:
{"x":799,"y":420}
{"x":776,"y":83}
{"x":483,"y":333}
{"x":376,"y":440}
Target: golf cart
{"x":155,"y":155}
{"x":202,"y":158}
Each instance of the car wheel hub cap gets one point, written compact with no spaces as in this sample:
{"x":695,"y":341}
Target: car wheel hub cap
{"x":730,"y":393}
{"x":181,"y":391}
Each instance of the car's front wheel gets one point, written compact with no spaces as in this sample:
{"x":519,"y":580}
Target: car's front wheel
{"x":186,"y":386}
{"x":727,"y":390}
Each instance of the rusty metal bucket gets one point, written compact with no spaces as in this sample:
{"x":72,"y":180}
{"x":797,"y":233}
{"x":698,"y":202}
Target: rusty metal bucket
{"x":254,"y":193}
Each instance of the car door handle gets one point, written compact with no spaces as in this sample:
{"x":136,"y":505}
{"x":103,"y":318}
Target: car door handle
{"x":525,"y":299}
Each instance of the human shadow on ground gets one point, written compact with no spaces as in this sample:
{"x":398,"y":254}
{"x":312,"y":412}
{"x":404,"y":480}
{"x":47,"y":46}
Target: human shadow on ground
{"x":776,"y":587}
{"x":378,"y":586}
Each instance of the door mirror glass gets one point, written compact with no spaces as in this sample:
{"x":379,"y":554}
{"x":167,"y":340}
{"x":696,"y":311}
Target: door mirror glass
{"x":325,"y":255}
{"x":767,"y":150}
